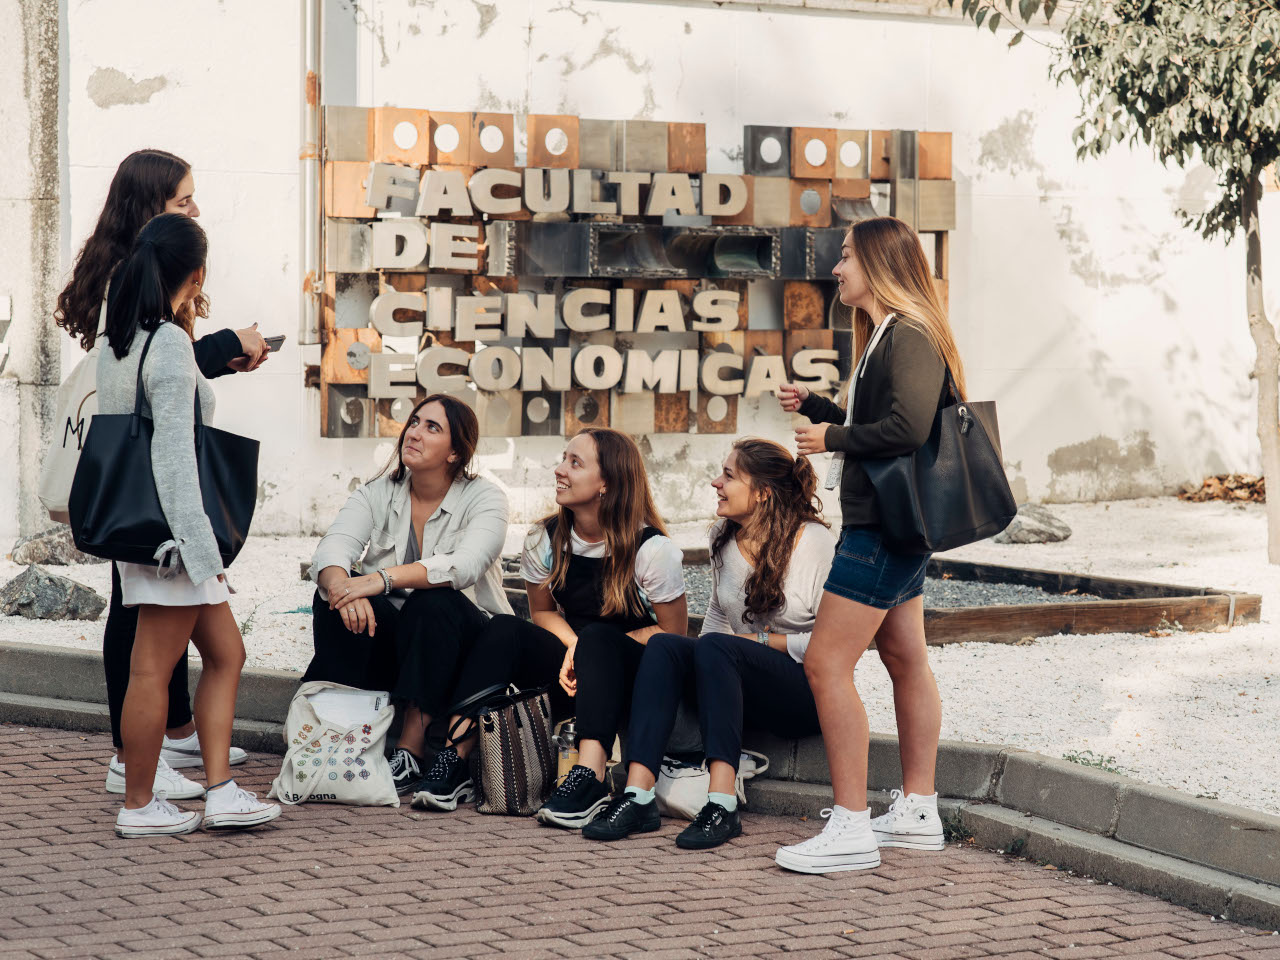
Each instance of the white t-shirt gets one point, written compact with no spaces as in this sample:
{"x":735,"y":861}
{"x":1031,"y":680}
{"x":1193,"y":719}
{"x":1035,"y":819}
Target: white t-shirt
{"x":801,"y":590}
{"x":659,"y":563}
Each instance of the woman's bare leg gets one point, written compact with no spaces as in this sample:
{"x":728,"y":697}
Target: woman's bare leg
{"x":413,"y":732}
{"x":901,"y":645}
{"x":217,"y":637}
{"x":161,"y":637}
{"x":842,"y":633}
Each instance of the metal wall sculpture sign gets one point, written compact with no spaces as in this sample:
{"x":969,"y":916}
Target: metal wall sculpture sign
{"x":612,"y":280}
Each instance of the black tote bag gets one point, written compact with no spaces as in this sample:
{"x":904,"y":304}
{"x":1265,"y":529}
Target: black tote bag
{"x":951,"y":491}
{"x":114,"y":508}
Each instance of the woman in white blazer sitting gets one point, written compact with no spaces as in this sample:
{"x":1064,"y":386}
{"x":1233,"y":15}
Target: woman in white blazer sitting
{"x":431,"y":534}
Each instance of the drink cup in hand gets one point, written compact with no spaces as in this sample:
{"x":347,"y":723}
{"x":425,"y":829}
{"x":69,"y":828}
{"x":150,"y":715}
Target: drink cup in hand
{"x":791,"y":395}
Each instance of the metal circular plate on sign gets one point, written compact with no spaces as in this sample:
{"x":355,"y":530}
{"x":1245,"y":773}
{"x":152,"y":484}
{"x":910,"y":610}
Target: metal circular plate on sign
{"x":850,"y":153}
{"x":717,"y":409}
{"x":358,"y":355}
{"x":491,"y":137}
{"x":401,"y":407}
{"x":587,"y":410}
{"x":557,"y":141}
{"x":405,"y":135}
{"x":447,"y":138}
{"x":815,"y":153}
{"x":538,"y":410}
{"x":810,"y":202}
{"x":770,"y":150}
{"x":352,"y":410}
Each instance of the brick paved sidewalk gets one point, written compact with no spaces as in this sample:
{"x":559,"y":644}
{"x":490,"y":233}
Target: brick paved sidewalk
{"x":343,"y":882}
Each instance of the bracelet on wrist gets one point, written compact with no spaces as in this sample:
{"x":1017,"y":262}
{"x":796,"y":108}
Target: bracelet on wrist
{"x":387,"y":582}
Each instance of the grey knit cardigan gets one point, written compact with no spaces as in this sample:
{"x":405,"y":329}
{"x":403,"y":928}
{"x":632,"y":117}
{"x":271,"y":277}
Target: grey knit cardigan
{"x":170,"y":380}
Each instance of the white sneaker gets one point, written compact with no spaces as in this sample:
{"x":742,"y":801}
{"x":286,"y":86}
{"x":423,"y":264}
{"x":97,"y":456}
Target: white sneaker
{"x":845,"y":843}
{"x":186,"y":753}
{"x":229,"y":806}
{"x":168,"y":781}
{"x":158,"y":818}
{"x":912,"y":821}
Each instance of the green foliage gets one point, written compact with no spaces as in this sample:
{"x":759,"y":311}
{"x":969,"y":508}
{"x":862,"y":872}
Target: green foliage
{"x":1087,"y":758}
{"x":1189,"y":78}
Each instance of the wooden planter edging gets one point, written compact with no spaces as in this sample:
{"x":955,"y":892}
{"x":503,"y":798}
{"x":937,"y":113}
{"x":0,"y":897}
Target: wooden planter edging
{"x":1127,"y":606}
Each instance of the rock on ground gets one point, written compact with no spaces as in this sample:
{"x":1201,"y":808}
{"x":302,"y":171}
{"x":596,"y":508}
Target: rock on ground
{"x":1033,"y":524}
{"x":55,"y":546}
{"x":39,"y":595}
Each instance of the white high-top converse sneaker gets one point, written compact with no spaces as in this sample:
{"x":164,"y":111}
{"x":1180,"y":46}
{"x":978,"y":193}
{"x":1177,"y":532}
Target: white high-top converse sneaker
{"x":911,"y":821}
{"x":845,"y":843}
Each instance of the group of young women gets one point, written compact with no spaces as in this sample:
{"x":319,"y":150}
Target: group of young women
{"x":793,"y":606}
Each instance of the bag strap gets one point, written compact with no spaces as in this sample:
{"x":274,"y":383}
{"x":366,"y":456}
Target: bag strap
{"x":138,"y":394}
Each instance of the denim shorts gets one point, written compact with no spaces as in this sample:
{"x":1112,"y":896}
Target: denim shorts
{"x":866,"y":571}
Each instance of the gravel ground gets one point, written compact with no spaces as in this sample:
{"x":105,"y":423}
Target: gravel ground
{"x":1196,"y":711}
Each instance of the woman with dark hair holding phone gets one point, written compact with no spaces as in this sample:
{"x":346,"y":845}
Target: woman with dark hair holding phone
{"x":770,"y":554}
{"x":602,"y":578}
{"x":431,"y":534}
{"x":148,"y":183}
{"x":185,"y":597}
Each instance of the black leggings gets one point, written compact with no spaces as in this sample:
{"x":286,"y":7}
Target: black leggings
{"x":415,"y":652}
{"x":117,"y":653}
{"x":605,"y":661}
{"x":733,"y":677}
{"x":512,"y":650}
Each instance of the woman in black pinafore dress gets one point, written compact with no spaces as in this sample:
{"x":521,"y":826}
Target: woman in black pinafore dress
{"x":602,"y":577}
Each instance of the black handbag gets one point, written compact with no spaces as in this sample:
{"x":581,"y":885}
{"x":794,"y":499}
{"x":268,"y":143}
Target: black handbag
{"x":114,"y":509}
{"x":951,"y":491}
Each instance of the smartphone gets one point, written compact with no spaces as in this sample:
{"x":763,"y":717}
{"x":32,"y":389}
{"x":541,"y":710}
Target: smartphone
{"x":274,"y":343}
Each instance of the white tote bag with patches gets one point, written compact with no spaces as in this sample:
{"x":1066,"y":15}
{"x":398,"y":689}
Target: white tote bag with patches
{"x":334,"y":738}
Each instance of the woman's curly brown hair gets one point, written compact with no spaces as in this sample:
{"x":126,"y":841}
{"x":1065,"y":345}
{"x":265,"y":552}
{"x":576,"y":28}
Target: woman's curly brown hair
{"x":790,"y":500}
{"x":144,"y":182}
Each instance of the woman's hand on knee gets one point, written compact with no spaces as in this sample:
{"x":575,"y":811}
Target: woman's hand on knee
{"x":569,"y":679}
{"x":357,"y":616}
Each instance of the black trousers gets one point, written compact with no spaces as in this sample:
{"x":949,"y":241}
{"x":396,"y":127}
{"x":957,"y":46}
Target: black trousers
{"x":606,"y":661}
{"x":117,"y":652}
{"x":513,"y":650}
{"x":734,"y":678}
{"x":415,"y":652}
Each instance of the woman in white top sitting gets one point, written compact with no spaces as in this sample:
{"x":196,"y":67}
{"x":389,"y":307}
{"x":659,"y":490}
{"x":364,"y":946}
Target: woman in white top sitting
{"x":602,"y":578}
{"x":770,"y":554}
{"x":431,"y":534}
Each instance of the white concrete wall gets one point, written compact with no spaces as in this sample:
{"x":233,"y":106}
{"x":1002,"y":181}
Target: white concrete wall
{"x":1113,"y":338}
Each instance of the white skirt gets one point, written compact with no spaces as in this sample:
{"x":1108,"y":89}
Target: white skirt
{"x":142,"y":584}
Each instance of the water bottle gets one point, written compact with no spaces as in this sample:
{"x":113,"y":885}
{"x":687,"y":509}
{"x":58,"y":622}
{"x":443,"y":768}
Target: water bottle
{"x":566,"y":740}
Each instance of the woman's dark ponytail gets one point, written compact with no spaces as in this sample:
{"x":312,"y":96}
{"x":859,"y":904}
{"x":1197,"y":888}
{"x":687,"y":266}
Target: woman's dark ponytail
{"x":169,"y":248}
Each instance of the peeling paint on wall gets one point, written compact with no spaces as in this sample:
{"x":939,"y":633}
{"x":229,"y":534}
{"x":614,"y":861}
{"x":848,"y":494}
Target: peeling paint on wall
{"x":108,"y":87}
{"x":488,"y":13}
{"x":1105,"y":469}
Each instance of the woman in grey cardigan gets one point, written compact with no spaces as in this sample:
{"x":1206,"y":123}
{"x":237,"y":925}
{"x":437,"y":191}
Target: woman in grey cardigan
{"x":186,"y":595}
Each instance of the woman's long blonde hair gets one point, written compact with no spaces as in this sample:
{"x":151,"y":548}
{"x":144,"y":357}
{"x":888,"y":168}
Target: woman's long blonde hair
{"x":625,"y":509}
{"x":898,"y":276}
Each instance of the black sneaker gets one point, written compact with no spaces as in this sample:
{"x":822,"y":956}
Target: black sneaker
{"x":578,"y":798}
{"x":446,"y":784}
{"x":713,"y":826}
{"x":405,"y":771}
{"x":623,"y":817}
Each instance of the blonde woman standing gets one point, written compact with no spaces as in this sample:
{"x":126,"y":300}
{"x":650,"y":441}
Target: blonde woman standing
{"x":904,"y":344}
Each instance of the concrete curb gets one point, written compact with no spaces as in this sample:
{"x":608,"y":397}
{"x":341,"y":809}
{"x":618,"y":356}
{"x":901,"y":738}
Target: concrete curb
{"x":1202,"y":853}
